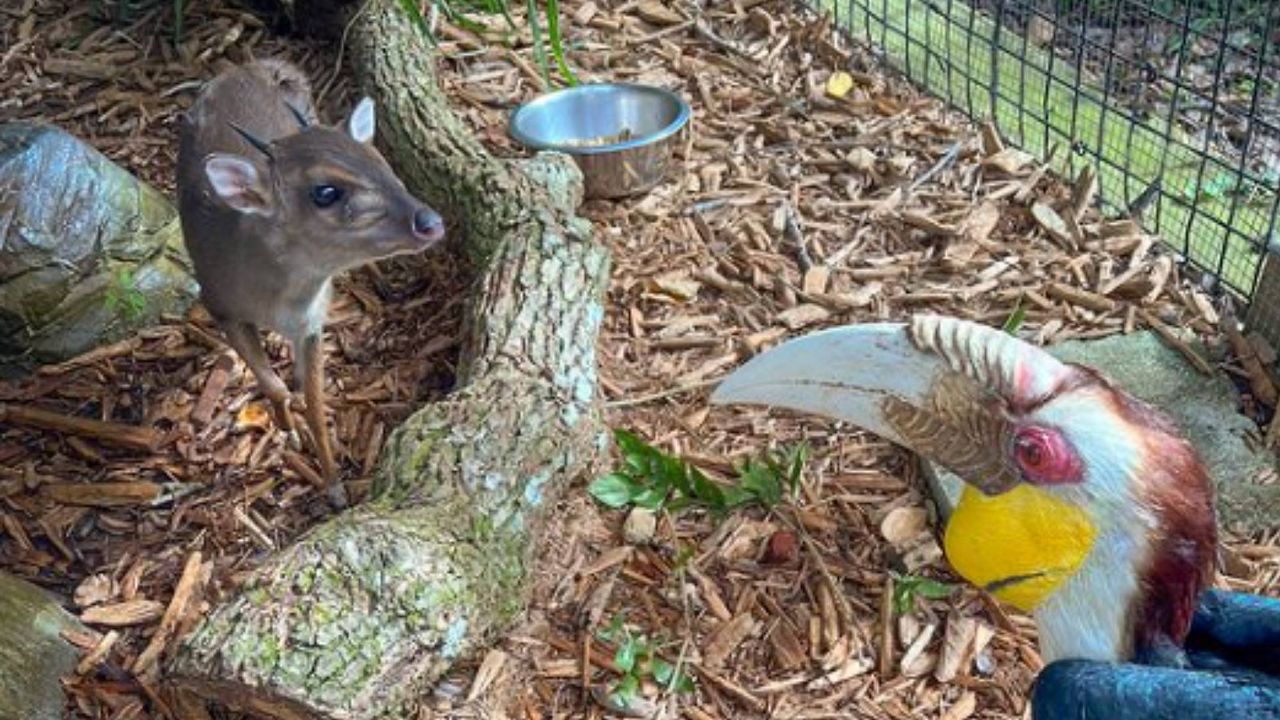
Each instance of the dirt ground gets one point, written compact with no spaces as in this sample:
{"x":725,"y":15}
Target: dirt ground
{"x":797,"y":207}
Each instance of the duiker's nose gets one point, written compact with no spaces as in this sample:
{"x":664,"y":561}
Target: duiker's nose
{"x":427,"y":223}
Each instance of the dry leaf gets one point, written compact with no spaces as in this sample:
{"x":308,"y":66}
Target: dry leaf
{"x":585,"y":12}
{"x":963,"y":708}
{"x":658,"y":13}
{"x":639,"y":526}
{"x":95,"y":589}
{"x":861,"y":159}
{"x":839,"y":84}
{"x":252,"y":415}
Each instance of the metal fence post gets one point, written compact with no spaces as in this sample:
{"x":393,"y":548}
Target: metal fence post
{"x":1263,"y":316}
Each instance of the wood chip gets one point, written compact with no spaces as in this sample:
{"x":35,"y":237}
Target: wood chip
{"x":1053,"y":224}
{"x":99,"y":653}
{"x":214,"y":386}
{"x":186,"y":589}
{"x":803,"y":315}
{"x":490,"y":669}
{"x":726,"y":639}
{"x":133,"y":612}
{"x":128,"y":436}
{"x":102,"y":494}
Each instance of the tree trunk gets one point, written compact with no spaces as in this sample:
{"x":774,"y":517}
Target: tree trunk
{"x":364,"y":612}
{"x":33,"y":654}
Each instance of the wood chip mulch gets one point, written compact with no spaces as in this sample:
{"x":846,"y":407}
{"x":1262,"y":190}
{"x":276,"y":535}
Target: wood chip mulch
{"x":143,"y":481}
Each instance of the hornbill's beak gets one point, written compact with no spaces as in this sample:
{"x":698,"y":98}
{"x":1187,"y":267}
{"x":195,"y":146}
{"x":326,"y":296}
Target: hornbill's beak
{"x":939,"y":386}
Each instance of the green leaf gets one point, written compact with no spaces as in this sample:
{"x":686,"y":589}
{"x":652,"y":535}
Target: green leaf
{"x":614,"y":490}
{"x":906,"y":588}
{"x":650,"y":498}
{"x":795,"y":459}
{"x":539,"y":47}
{"x":673,"y":472}
{"x":735,"y":496}
{"x":626,"y":690}
{"x":629,"y":444}
{"x":933,"y":589}
{"x":557,"y":43}
{"x":678,"y":504}
{"x":663,"y":671}
{"x":762,"y":482}
{"x":625,"y":657}
{"x":1014,"y":321}
{"x":707,"y":491}
{"x":410,"y":8}
{"x":613,"y":630}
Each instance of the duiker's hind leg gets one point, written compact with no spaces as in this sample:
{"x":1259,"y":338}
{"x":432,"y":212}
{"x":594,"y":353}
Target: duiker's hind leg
{"x":311,"y":367}
{"x":244,"y":338}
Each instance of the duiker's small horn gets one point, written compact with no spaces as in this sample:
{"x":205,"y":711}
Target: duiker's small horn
{"x":297,"y":115}
{"x":262,"y":147}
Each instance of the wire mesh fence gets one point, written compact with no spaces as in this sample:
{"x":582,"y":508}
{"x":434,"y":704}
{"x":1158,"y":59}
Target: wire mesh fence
{"x":1176,"y":103}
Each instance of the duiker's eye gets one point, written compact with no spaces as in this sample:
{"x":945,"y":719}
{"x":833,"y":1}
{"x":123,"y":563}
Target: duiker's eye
{"x":325,"y":195}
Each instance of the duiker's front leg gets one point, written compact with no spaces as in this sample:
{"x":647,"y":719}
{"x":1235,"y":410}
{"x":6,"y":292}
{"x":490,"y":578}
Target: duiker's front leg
{"x":246,"y":341}
{"x":312,"y":359}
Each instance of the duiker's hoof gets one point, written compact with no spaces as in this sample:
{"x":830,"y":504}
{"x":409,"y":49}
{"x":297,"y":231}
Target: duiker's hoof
{"x":338,"y":495}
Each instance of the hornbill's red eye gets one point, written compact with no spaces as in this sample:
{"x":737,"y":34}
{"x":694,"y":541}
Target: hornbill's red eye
{"x":1045,"y":457}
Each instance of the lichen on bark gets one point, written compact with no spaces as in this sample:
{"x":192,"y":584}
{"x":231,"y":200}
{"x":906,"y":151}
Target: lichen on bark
{"x":359,"y":616}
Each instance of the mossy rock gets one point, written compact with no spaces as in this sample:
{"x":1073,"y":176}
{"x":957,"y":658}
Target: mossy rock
{"x":88,"y":253}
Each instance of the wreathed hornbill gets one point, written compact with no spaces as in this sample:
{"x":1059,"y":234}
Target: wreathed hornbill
{"x":1082,"y":505}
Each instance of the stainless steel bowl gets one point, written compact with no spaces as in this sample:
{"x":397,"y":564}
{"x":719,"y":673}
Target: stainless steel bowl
{"x":621,"y":134}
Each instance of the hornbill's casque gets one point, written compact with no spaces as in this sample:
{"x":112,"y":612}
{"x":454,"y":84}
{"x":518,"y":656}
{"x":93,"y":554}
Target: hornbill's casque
{"x":1082,"y":505}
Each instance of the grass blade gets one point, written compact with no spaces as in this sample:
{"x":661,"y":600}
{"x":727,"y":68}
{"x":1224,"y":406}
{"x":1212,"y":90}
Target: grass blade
{"x":557,"y":43}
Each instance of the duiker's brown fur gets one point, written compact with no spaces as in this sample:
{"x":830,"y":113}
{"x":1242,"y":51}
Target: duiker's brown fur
{"x":272,"y":206}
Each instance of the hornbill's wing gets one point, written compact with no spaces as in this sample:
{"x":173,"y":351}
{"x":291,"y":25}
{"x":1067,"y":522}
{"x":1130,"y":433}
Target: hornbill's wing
{"x":1233,"y":651}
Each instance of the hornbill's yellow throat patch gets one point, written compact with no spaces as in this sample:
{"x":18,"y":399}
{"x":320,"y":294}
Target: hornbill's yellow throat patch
{"x":1082,"y":505}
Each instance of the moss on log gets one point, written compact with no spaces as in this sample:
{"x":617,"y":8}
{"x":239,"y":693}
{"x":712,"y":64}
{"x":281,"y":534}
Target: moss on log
{"x":363,"y":613}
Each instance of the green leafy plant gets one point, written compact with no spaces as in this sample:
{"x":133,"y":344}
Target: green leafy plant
{"x":473,"y":15}
{"x":124,"y":297}
{"x":906,"y":588}
{"x":649,"y":478}
{"x":636,"y":658}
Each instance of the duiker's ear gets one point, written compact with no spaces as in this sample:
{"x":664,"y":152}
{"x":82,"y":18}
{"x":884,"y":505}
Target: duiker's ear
{"x":361,"y":122}
{"x":238,"y":183}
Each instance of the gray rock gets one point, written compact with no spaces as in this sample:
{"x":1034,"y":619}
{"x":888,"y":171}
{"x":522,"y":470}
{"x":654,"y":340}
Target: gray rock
{"x":88,"y":253}
{"x":1205,"y":409}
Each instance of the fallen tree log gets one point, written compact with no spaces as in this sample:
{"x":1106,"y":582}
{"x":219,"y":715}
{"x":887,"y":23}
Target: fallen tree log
{"x":365,"y":611}
{"x":34,"y":655}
